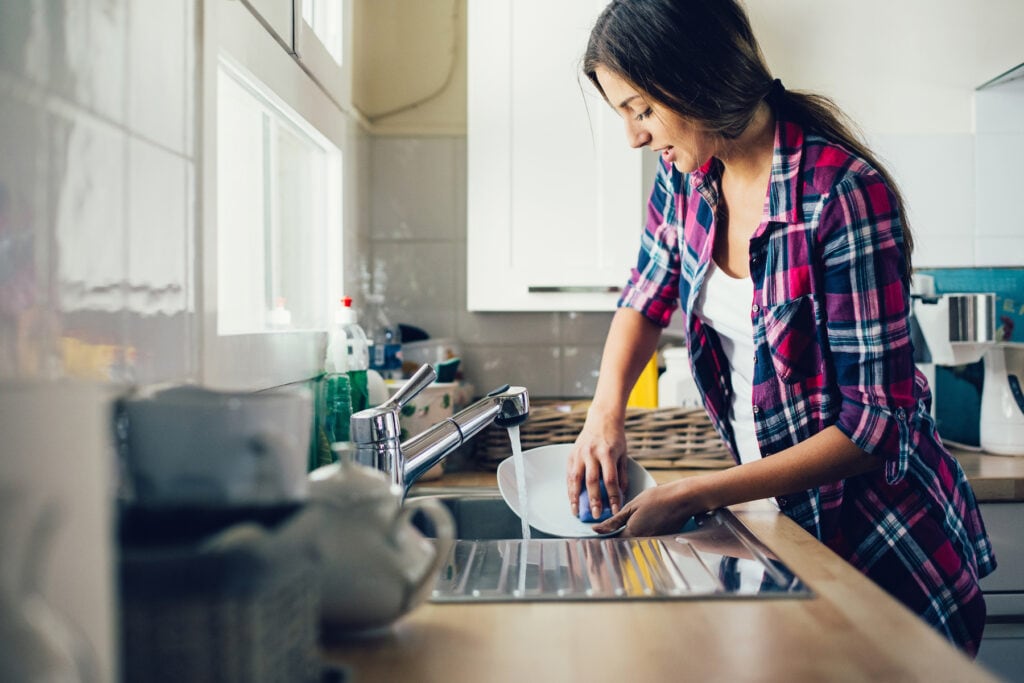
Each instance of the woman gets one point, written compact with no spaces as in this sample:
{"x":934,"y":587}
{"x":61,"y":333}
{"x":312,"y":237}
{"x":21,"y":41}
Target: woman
{"x":783,"y":239}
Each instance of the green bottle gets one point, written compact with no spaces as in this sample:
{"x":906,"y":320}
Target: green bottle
{"x":345,"y":365}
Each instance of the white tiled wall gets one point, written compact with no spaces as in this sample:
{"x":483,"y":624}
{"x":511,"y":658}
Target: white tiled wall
{"x":97,"y":198}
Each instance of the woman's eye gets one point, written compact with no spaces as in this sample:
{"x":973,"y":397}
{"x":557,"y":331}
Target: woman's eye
{"x":644,"y":114}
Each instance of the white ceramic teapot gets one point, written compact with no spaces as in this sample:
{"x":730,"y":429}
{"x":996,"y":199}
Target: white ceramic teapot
{"x":375,"y":564}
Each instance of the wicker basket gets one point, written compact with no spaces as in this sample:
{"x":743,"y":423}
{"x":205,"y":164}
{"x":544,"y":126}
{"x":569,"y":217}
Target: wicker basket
{"x":659,"y":438}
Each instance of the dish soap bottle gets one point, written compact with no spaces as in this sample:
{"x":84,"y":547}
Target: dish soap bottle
{"x":342,"y":387}
{"x":348,"y":352}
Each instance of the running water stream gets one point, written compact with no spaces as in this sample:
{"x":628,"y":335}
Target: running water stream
{"x":520,"y":463}
{"x":524,"y":504}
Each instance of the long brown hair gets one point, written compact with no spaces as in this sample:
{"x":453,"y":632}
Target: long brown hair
{"x":700,"y":59}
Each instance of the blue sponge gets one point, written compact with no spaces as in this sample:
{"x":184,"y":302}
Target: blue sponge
{"x":606,"y":507}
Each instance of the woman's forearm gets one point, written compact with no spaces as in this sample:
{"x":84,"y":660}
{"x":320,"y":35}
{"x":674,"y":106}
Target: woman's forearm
{"x":631,"y":340}
{"x":823,"y":458}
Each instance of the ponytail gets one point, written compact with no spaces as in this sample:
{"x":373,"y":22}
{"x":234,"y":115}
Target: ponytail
{"x":819,"y":114}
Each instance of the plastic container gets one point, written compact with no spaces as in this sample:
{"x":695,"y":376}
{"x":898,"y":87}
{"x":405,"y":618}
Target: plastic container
{"x":676,"y":386}
{"x":431,"y":351}
{"x":645,"y":391}
{"x":385,"y":340}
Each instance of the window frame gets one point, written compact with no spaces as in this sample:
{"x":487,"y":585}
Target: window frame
{"x":264,"y":359}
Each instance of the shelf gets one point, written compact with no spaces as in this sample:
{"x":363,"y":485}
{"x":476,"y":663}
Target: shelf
{"x":1013,"y":74}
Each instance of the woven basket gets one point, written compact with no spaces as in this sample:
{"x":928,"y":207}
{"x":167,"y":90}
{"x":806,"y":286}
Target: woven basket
{"x":659,"y":438}
{"x":206,"y":614}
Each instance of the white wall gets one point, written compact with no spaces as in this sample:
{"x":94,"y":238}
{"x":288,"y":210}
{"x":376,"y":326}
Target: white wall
{"x":411,"y":66}
{"x":999,"y":174}
{"x":906,"y":72}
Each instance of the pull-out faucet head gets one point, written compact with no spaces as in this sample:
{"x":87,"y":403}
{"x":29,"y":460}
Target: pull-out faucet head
{"x":514,"y":405}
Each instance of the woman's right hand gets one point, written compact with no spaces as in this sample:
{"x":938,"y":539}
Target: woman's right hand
{"x":599,"y":453}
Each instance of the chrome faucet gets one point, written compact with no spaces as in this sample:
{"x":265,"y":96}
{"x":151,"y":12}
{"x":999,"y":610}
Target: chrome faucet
{"x":377,"y":433}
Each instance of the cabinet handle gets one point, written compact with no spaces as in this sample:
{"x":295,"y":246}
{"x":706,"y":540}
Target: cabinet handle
{"x":569,"y":289}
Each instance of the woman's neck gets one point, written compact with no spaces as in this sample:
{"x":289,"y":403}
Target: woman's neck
{"x":748,"y":158}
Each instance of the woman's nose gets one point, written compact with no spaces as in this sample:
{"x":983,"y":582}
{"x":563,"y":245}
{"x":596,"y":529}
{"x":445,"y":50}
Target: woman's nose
{"x":636,"y":135}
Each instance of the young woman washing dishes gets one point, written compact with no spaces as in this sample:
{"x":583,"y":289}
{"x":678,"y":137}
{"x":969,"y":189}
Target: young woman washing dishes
{"x":784,"y":240}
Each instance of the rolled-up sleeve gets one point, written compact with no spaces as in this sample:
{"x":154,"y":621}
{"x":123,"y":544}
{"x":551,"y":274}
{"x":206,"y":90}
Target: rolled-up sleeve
{"x":653,"y":286}
{"x":866,"y":303}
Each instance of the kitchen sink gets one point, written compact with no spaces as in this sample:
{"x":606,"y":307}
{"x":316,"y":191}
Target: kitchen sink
{"x":712,"y":556}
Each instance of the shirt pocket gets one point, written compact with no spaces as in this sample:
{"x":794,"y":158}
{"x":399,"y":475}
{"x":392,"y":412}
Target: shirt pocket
{"x":791,"y":333}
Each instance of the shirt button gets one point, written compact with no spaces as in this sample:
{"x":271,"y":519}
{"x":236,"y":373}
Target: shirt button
{"x":901,"y":414}
{"x":757,"y":410}
{"x":756,"y":308}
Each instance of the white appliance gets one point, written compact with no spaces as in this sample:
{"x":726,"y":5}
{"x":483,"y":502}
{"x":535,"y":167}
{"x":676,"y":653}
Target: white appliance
{"x":959,"y":329}
{"x":1002,"y":403}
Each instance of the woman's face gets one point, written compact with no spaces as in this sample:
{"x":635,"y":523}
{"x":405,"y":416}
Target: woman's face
{"x":648,"y":124}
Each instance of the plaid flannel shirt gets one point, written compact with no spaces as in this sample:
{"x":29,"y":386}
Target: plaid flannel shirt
{"x":832,"y":347}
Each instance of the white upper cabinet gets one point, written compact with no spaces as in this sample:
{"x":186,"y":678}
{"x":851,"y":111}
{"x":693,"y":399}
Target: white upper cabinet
{"x":555,"y":194}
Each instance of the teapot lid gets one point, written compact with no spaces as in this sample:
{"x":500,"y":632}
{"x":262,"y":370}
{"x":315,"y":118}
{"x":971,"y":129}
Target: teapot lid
{"x":345,"y":482}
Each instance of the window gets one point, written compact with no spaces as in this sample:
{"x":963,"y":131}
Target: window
{"x":326,"y":19}
{"x":320,"y":45}
{"x":276,"y":209}
{"x":276,"y":154}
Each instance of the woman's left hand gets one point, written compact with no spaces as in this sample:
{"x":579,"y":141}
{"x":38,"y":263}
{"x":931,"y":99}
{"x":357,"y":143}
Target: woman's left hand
{"x":663,"y":509}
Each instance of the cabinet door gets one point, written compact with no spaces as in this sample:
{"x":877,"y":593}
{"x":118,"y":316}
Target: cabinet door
{"x":555,"y":196}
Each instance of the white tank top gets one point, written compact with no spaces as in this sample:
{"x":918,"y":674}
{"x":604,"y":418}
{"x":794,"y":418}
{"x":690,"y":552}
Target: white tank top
{"x":724,"y":304}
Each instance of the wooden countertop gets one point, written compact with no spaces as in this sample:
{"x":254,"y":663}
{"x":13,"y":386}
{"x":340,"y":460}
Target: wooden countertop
{"x":994,"y":478}
{"x":850,"y":631}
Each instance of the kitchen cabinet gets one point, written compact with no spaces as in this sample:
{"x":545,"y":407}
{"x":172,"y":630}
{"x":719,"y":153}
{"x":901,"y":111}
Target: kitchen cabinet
{"x":1002,"y":648}
{"x":555,"y":195}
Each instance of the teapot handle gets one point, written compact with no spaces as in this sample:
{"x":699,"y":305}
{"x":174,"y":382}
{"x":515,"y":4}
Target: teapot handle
{"x":442,"y":521}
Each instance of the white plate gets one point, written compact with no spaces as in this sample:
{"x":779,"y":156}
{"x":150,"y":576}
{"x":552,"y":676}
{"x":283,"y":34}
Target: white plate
{"x":548,"y":503}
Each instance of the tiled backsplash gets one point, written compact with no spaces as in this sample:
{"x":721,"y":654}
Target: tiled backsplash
{"x":97,"y":199}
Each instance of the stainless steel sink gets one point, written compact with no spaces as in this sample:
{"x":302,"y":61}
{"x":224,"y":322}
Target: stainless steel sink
{"x":713,"y":556}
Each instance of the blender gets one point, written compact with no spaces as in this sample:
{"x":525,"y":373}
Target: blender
{"x":960,"y":328}
{"x":1002,"y":403}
